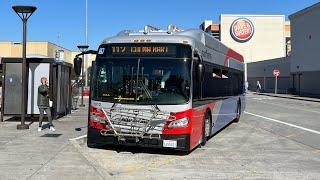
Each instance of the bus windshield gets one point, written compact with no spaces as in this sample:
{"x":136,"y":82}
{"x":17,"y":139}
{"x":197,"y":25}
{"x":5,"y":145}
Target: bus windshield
{"x":142,"y":80}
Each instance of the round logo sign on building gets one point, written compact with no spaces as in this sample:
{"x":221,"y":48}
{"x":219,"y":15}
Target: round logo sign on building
{"x":242,"y":30}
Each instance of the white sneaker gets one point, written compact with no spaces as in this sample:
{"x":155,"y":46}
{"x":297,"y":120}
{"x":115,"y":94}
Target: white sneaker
{"x":52,"y":128}
{"x":39,"y":129}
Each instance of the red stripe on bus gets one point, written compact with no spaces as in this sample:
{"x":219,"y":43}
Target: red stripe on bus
{"x":233,"y":54}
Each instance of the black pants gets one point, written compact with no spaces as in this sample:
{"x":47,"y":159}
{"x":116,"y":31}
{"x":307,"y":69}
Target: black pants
{"x":48,"y":111}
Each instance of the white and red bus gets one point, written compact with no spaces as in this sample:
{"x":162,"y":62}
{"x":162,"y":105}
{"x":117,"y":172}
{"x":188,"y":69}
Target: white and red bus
{"x":165,"y":89}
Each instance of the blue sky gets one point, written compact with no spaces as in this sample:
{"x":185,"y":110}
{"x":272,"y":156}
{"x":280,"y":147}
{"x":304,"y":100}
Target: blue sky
{"x":106,"y":18}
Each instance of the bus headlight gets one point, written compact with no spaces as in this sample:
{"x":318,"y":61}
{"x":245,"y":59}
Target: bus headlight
{"x":97,"y":115}
{"x":183,"y":122}
{"x":96,"y":118}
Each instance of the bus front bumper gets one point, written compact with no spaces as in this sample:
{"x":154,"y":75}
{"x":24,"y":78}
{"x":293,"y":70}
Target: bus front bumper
{"x":176,"y":142}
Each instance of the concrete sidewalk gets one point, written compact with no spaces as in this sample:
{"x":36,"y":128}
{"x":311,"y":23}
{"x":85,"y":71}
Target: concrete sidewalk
{"x":28,"y":154}
{"x":289,"y":96}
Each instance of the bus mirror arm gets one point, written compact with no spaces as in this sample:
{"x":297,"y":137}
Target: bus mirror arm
{"x":87,"y":52}
{"x":77,"y":61}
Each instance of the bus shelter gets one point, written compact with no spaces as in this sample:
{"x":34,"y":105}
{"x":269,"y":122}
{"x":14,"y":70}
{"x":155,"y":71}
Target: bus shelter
{"x":58,"y":74}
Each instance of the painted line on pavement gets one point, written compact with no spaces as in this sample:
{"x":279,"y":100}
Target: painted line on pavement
{"x":281,"y":122}
{"x":77,"y":138}
{"x":276,"y":104}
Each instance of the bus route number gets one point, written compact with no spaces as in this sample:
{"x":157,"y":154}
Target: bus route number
{"x":140,"y":49}
{"x":118,"y":49}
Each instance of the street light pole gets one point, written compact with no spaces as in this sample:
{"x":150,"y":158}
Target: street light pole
{"x":82,"y":49}
{"x":85,"y":57}
{"x":24,"y":12}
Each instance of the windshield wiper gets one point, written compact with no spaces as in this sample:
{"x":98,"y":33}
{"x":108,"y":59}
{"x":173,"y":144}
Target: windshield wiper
{"x":137,"y":79}
{"x":144,"y":87}
{"x":147,"y":91}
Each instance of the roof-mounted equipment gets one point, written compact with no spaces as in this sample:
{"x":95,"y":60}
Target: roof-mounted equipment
{"x":173,"y":29}
{"x":148,"y":28}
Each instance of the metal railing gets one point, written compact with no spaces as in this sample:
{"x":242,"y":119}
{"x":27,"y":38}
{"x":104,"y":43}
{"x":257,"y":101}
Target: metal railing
{"x":136,"y":123}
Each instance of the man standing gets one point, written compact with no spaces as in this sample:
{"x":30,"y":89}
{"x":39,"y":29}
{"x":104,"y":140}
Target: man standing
{"x":43,"y":103}
{"x":258,"y":87}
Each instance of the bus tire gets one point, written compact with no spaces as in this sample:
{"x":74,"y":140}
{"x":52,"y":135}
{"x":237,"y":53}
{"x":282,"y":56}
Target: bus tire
{"x":94,"y":145}
{"x":238,"y":112}
{"x":206,"y":129}
{"x":91,"y":144}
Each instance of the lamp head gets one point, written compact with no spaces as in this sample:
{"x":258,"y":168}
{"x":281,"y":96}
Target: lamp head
{"x":83,"y":48}
{"x":24,"y":9}
{"x":24,"y":12}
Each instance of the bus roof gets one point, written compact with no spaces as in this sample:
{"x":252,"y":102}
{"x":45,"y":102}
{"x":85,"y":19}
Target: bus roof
{"x":198,"y":39}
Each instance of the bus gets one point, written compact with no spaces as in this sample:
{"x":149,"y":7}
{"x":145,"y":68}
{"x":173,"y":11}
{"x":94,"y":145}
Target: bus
{"x":168,"y":89}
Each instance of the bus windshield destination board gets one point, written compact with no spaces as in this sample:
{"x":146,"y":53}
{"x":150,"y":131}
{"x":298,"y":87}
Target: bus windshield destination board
{"x":144,"y":50}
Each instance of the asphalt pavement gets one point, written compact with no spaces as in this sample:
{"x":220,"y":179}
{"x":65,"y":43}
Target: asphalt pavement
{"x":276,"y":138}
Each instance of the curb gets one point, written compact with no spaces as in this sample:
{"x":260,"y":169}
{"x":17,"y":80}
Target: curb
{"x":286,"y":97}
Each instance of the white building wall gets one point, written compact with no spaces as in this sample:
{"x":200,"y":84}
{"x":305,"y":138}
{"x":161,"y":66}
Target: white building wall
{"x":267,"y":42}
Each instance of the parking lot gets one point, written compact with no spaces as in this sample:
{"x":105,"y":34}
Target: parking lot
{"x":276,"y":138}
{"x":257,"y":147}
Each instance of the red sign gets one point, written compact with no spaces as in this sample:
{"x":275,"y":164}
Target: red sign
{"x":242,"y":30}
{"x":276,"y":72}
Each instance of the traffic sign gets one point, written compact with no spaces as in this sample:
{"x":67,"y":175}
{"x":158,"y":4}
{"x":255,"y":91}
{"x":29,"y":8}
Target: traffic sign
{"x":276,"y":72}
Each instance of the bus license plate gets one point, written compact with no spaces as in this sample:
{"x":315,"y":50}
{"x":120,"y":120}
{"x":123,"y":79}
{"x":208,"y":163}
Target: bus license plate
{"x":170,"y":143}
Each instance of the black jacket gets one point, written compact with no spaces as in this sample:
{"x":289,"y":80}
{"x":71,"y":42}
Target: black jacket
{"x":43,"y":96}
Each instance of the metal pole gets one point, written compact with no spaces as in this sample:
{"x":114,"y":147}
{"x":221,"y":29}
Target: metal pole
{"x":276,"y":85}
{"x":264,"y":80}
{"x":86,"y":23}
{"x":299,"y":78}
{"x":86,"y":42}
{"x":24,"y":76}
{"x":82,"y":85}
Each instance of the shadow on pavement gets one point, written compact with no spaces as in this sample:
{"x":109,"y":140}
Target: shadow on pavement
{"x":138,"y":150}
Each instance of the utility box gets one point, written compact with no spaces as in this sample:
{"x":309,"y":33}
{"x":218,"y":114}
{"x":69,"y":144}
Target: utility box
{"x":58,"y":75}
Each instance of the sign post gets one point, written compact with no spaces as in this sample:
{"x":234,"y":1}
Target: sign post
{"x":276,"y":73}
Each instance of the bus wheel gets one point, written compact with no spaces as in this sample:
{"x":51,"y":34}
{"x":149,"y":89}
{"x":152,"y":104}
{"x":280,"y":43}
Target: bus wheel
{"x":206,"y":129}
{"x":238,"y":112}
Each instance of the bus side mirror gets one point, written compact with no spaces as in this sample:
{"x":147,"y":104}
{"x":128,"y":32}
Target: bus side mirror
{"x":77,"y":62}
{"x":200,"y":72}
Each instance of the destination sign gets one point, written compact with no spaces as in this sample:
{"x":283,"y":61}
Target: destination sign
{"x":120,"y":50}
{"x":144,"y":50}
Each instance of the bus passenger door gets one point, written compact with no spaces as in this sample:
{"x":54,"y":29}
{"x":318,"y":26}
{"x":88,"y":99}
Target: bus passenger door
{"x":198,"y":107}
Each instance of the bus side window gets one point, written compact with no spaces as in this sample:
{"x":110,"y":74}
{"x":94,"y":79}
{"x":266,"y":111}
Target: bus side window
{"x":221,"y":82}
{"x":216,"y":73}
{"x":212,"y":81}
{"x":236,"y":82}
{"x":227,"y":87}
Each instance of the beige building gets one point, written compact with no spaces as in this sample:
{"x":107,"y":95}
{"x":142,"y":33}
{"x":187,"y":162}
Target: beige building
{"x":34,"y":48}
{"x":39,"y":48}
{"x":267,"y":40}
{"x":42,"y":49}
